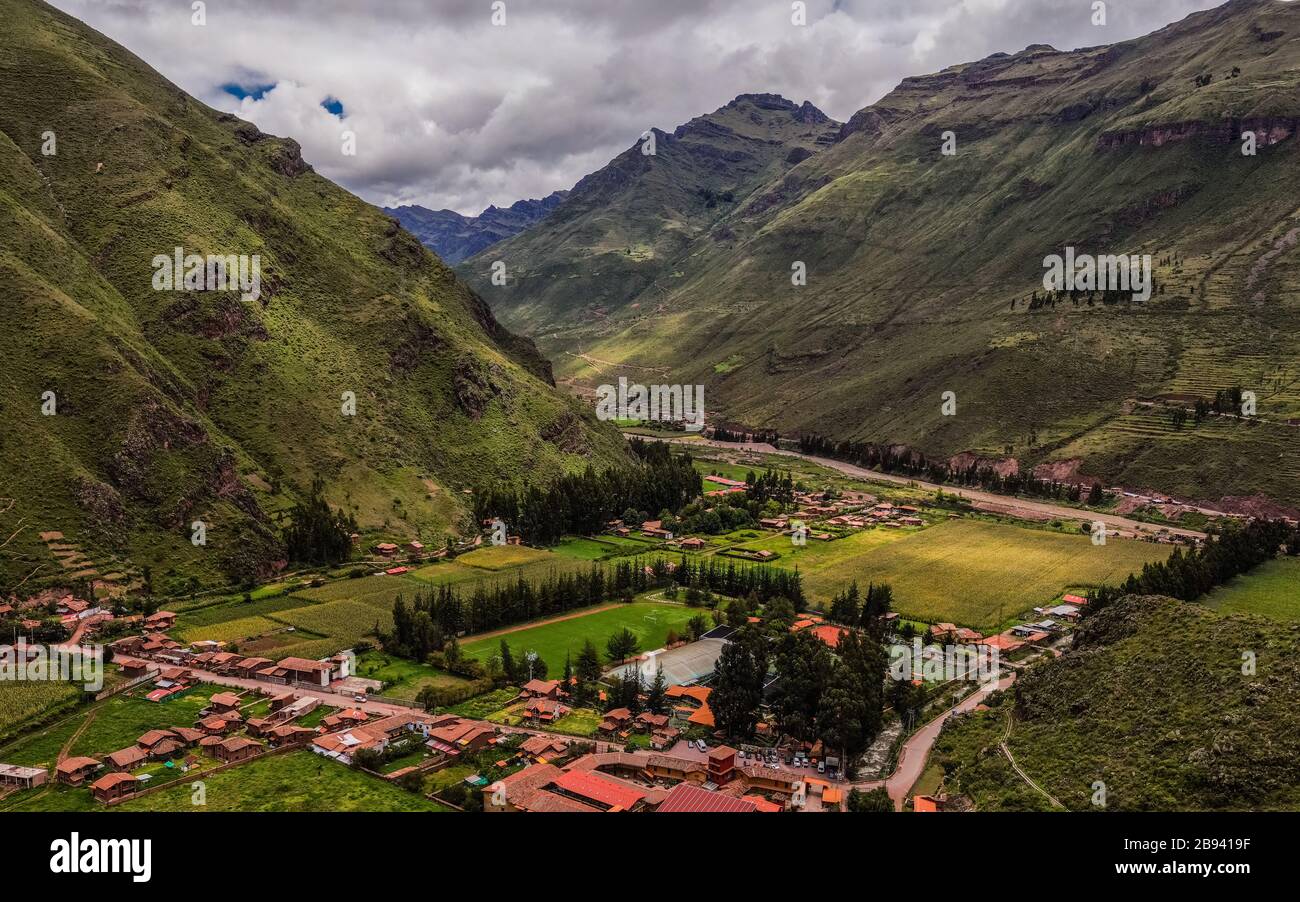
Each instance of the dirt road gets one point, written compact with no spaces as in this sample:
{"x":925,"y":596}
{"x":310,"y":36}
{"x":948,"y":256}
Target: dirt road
{"x":1024,"y":508}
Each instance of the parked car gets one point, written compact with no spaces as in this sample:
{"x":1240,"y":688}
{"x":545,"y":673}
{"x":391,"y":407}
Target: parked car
{"x":821,"y":767}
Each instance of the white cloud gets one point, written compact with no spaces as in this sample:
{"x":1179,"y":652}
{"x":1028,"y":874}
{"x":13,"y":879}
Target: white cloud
{"x":450,"y":111}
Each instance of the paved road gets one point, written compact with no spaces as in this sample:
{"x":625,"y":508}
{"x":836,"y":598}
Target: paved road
{"x":1006,"y":503}
{"x":915,"y":753}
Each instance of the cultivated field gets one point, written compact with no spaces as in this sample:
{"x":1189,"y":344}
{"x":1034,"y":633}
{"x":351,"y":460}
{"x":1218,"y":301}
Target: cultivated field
{"x":970,"y":572}
{"x":20,"y":701}
{"x":651,"y":623}
{"x":1271,"y":590}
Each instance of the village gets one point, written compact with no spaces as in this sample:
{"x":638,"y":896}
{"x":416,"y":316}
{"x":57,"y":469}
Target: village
{"x":533,"y":746}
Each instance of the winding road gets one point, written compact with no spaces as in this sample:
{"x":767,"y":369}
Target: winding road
{"x":915,"y":753}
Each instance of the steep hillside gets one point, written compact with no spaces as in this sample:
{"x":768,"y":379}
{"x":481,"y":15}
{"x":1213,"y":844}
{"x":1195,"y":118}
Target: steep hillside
{"x":1153,"y":703}
{"x":924,"y":271}
{"x":613,"y":250}
{"x":175,"y":406}
{"x":453,"y":236}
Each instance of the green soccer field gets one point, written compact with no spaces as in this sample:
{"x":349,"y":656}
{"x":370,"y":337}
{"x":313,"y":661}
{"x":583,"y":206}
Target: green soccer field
{"x":651,"y":623}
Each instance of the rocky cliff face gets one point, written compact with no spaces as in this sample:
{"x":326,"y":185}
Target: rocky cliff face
{"x":454,"y":237}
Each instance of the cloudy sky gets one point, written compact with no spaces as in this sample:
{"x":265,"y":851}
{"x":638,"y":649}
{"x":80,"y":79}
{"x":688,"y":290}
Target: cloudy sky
{"x":452,"y":110}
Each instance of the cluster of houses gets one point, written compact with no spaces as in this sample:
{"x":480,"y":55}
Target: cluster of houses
{"x":138,"y":655}
{"x":222,"y":733}
{"x":446,"y":735}
{"x":1040,"y":633}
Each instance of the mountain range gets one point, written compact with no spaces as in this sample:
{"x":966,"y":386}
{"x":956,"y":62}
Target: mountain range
{"x":132,"y":413}
{"x":454,"y":236}
{"x":924,"y":268}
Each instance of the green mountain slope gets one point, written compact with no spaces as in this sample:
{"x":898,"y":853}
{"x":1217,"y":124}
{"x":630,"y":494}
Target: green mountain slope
{"x":922,"y":267}
{"x":1153,"y":703}
{"x":614,"y":248}
{"x":174,"y":406}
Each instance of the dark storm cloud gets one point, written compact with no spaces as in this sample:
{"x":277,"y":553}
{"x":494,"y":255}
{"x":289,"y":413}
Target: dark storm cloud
{"x":449,"y":110}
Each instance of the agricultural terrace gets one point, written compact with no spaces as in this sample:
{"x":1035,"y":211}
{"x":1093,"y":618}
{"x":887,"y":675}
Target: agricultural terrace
{"x":970,"y":572}
{"x":553,"y":639}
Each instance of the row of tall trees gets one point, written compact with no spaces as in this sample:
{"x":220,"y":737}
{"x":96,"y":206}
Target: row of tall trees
{"x":425,"y":623}
{"x":889,"y":459}
{"x":583,"y":503}
{"x":1189,"y":574}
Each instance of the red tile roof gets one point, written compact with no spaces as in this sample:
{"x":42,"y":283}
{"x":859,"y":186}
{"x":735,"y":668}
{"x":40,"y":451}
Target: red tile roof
{"x":688,"y":797}
{"x":599,"y":788}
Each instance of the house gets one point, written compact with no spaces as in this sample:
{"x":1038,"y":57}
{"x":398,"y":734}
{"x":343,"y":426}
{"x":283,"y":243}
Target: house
{"x":128,"y":758}
{"x":596,"y":790}
{"x":545,"y":710}
{"x":342,"y":745}
{"x":687,"y":797}
{"x":386,"y":549}
{"x":693,"y":543}
{"x":966,"y":636}
{"x":415,"y":547}
{"x":75,"y":771}
{"x":1077,"y":600}
{"x":349,"y":717}
{"x":665,"y":738}
{"x":722,"y":764}
{"x":459,"y":736}
{"x":215,"y":726}
{"x":301,"y":670}
{"x":112,"y":788}
{"x":926,"y":803}
{"x":279,"y":700}
{"x":132,"y":667}
{"x":540,"y":689}
{"x":168,"y":748}
{"x":236,"y":748}
{"x":23,"y":777}
{"x":1003,"y":643}
{"x":225,"y":702}
{"x":544,"y":748}
{"x":648,"y":723}
{"x":616,"y":720}
{"x":655,"y":529}
{"x":290,"y":734}
{"x":249,"y":667}
{"x":160,"y":622}
{"x":187,"y":735}
{"x":527,"y":790}
{"x":943,"y":630}
{"x":762,"y":804}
